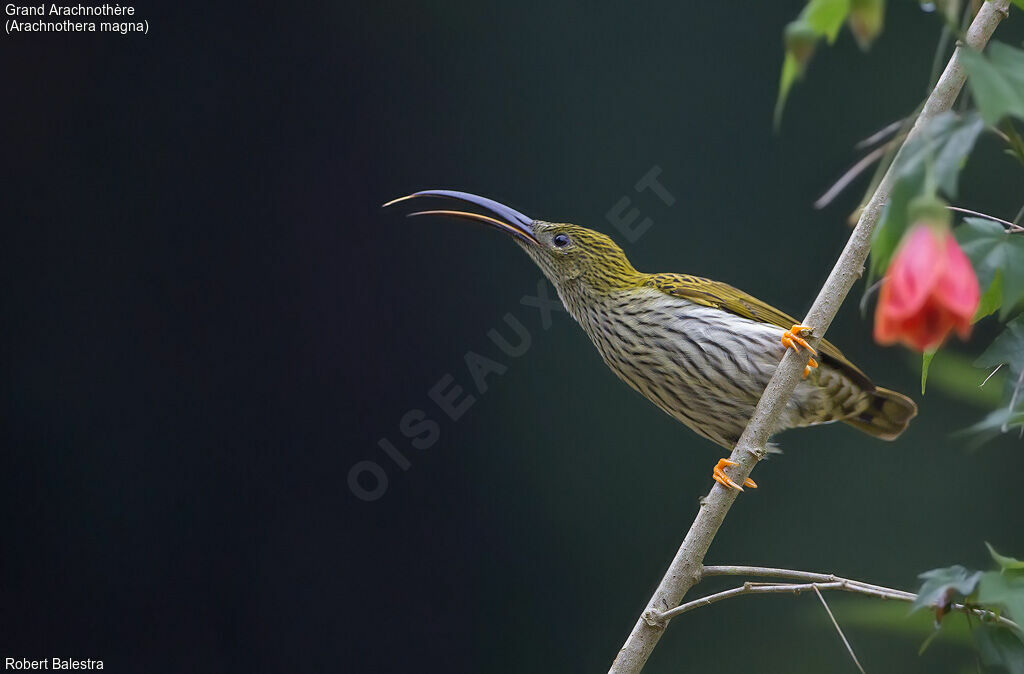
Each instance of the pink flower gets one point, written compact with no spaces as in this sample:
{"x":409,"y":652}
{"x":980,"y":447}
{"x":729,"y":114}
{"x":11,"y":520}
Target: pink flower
{"x":929,"y":290}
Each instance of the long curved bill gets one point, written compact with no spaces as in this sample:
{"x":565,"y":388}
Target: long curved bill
{"x":508,"y":219}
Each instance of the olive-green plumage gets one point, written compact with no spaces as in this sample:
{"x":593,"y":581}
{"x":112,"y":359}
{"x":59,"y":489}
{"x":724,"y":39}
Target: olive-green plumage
{"x":700,"y":350}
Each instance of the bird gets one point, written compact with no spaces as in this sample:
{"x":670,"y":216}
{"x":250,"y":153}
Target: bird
{"x":700,"y":350}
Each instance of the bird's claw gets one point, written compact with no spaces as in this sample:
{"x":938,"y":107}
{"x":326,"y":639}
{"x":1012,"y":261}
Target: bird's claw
{"x":721,"y":478}
{"x":792,"y":339}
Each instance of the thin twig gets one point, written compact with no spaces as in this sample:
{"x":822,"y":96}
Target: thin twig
{"x":766,"y":572}
{"x":882,"y":170}
{"x":851,"y":174}
{"x":849,"y":585}
{"x":809,"y":580}
{"x":880,"y":135}
{"x":1009,"y":225}
{"x":965,"y":101}
{"x":746,"y":588}
{"x":805,"y":576}
{"x":685,"y":569}
{"x":940,"y":49}
{"x":1020,"y":214}
{"x":842,"y":636}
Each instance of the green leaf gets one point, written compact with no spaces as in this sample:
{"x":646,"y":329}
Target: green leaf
{"x":1000,"y":647}
{"x":926,"y":361}
{"x":991,"y":247}
{"x":790,"y":73}
{"x":1008,"y":348}
{"x":984,"y":242}
{"x":956,"y":376}
{"x":940,"y":585}
{"x":1006,"y":591}
{"x":1004,"y":562}
{"x":991,"y":299}
{"x":992,"y":426}
{"x":997,"y":82}
{"x":866,"y":20}
{"x":942,"y":145}
{"x":941,"y":148}
{"x":1013,"y":139}
{"x":819,"y":17}
{"x":826,"y":16}
{"x":953,"y":152}
{"x":893,"y":224}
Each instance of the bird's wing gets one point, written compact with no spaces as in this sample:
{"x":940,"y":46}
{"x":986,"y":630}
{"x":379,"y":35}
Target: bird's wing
{"x":724,"y":296}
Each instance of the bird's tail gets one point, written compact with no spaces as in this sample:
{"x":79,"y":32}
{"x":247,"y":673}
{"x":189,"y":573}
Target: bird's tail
{"x":886,"y":416}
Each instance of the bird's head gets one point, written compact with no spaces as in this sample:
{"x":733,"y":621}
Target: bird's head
{"x":569,"y":255}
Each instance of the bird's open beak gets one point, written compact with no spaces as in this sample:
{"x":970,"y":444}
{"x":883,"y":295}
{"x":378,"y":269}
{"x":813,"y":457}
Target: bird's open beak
{"x":508,"y":220}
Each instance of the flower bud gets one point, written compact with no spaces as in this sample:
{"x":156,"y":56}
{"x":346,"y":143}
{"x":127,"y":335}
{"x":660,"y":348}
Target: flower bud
{"x":866,"y":19}
{"x":930,"y":288}
{"x":800,"y":38}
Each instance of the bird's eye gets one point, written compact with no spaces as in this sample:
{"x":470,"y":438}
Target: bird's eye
{"x":560,"y":240}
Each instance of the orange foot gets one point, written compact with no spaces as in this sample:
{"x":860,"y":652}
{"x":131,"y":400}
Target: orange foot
{"x":726,"y":481}
{"x":792,"y":339}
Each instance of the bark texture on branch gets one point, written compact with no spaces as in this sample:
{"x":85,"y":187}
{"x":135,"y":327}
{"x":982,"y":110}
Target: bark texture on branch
{"x":685,"y":569}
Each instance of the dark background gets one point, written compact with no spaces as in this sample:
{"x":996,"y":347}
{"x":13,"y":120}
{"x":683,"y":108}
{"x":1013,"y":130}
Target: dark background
{"x":208,"y":320}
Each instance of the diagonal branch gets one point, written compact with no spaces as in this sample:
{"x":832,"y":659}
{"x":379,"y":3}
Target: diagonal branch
{"x":685,"y":569}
